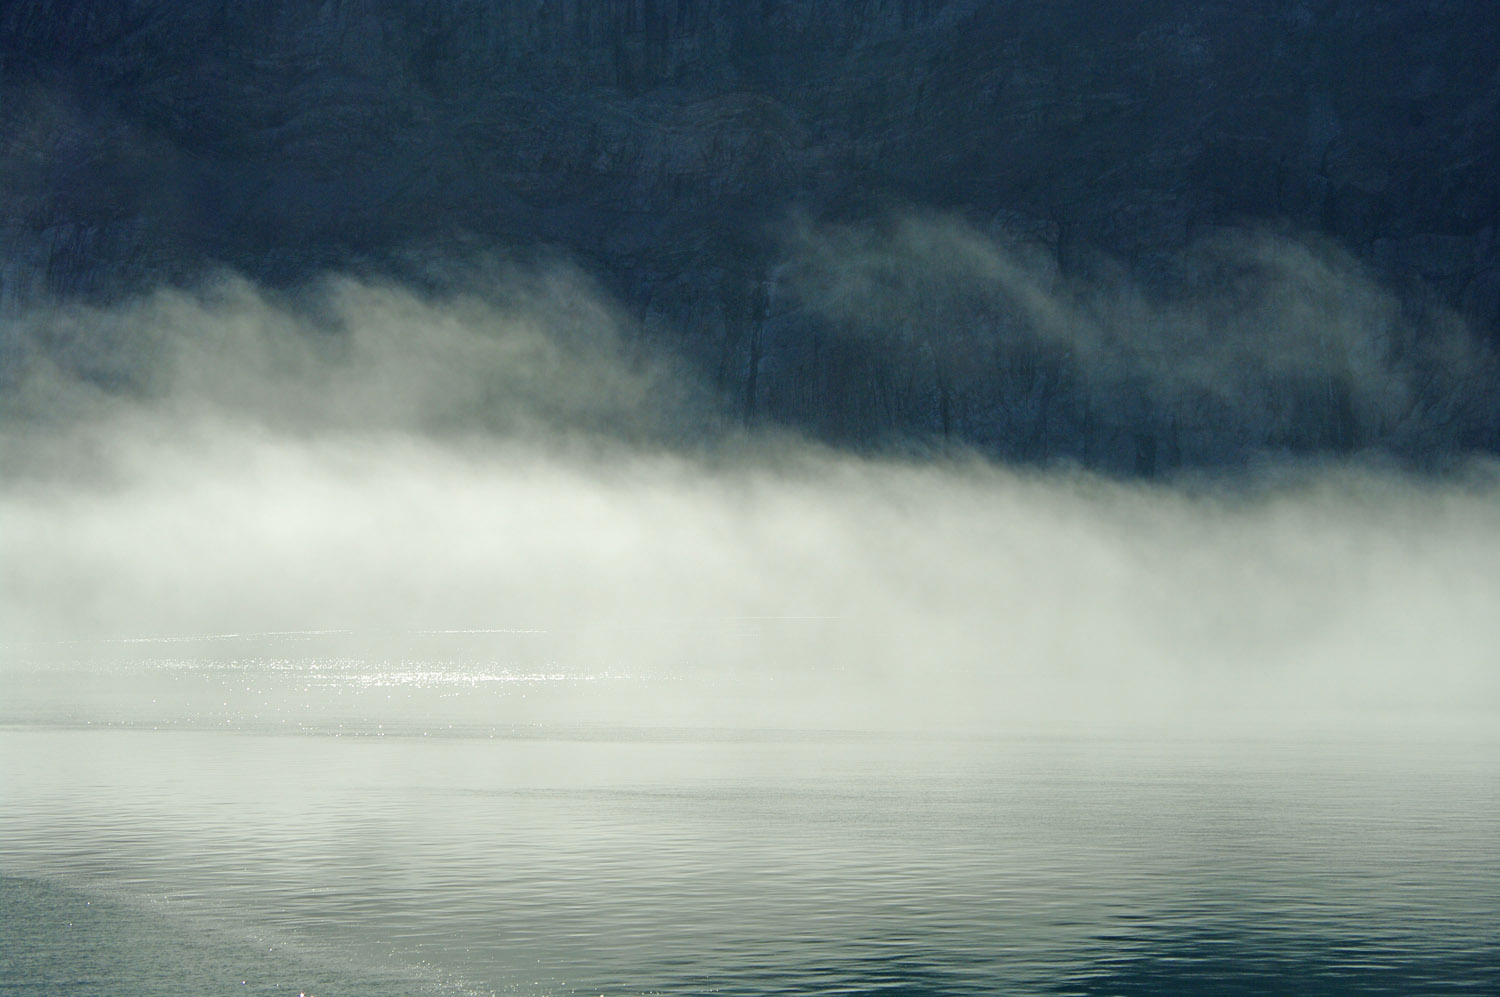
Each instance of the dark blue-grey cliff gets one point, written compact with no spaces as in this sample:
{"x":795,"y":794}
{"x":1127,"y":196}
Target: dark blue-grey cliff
{"x":985,"y":178}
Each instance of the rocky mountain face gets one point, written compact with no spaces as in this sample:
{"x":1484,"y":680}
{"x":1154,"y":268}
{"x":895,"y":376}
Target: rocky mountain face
{"x":1138,"y":235}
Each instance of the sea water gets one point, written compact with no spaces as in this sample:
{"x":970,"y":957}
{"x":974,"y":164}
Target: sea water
{"x":159,"y":835}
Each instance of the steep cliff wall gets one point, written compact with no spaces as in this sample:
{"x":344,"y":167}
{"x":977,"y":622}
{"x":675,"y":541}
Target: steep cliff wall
{"x":700,"y":156}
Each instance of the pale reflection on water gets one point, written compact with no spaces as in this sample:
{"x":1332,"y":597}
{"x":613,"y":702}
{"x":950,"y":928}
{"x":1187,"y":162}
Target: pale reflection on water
{"x":551,"y":859}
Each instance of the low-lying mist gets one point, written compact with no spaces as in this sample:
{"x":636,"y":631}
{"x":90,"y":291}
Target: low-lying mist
{"x":515,"y":459}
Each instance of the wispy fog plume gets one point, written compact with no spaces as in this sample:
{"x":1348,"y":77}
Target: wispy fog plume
{"x":523,"y":354}
{"x":1245,"y":342}
{"x":384,"y":464}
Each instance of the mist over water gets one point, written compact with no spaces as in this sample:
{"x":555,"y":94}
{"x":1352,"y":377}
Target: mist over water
{"x":921,"y":499}
{"x":363,"y":639}
{"x":511,"y":457}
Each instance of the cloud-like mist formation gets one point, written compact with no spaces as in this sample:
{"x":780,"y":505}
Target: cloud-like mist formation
{"x":1244,"y":342}
{"x":540,"y":352}
{"x":368,"y":459}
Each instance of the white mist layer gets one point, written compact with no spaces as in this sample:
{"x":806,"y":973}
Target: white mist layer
{"x":970,"y":590}
{"x":259,"y":496}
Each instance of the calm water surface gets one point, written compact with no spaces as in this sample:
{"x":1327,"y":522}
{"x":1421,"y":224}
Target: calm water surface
{"x":417,"y":858}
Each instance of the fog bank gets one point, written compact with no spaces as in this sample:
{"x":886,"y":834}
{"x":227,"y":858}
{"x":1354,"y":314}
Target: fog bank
{"x":385,"y":464}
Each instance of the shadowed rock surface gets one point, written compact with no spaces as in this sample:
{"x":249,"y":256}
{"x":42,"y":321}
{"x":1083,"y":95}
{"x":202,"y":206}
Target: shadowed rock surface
{"x":1138,"y":236}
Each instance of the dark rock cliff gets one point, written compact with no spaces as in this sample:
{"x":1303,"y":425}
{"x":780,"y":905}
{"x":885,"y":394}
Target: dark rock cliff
{"x":1044,"y":210}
